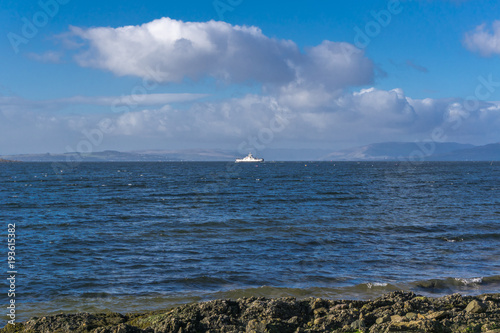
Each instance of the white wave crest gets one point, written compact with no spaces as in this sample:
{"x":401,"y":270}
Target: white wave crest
{"x":376,"y":284}
{"x":468,"y":281}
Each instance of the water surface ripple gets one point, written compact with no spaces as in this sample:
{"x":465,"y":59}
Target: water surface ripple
{"x":126,"y":236}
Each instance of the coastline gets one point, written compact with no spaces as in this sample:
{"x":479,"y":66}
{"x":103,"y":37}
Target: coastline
{"x":392,"y":312}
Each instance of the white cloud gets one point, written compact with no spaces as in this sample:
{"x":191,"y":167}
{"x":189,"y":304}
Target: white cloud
{"x":326,"y":71}
{"x":483,"y":40}
{"x":51,"y":125}
{"x":348,"y":119}
{"x":369,"y":115}
{"x":336,"y":65}
{"x":137,"y":99}
{"x":366,"y":116}
{"x":169,"y":50}
{"x":228,"y":120}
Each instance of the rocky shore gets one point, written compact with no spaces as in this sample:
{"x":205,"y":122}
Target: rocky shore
{"x":394,"y":312}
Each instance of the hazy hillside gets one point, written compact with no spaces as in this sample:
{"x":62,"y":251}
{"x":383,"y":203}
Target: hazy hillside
{"x":139,"y":156}
{"x":390,"y":151}
{"x":490,"y":152}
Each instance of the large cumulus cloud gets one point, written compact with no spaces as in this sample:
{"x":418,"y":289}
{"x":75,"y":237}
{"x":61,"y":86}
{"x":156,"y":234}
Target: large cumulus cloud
{"x":170,"y":50}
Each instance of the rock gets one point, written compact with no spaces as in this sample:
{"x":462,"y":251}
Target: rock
{"x":411,"y":315}
{"x":438,"y":315}
{"x":359,"y":324}
{"x":255,"y":326}
{"x":367,"y":307}
{"x":383,"y":319}
{"x":319,"y":321}
{"x":491,"y":327}
{"x":320,"y":312}
{"x":340,"y":307}
{"x":122,"y":328}
{"x":81,"y":322}
{"x":317,"y":303}
{"x":487,"y":298}
{"x":475,"y":306}
{"x":415,"y":326}
{"x":397,"y":318}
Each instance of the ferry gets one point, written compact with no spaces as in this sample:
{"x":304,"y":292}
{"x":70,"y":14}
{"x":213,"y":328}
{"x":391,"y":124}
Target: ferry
{"x":249,"y":158}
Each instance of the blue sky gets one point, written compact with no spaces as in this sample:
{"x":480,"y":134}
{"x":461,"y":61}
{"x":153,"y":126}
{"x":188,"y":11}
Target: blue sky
{"x":329,"y":75}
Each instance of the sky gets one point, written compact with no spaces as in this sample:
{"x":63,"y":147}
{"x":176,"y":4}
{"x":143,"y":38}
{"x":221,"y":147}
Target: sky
{"x":245,"y":75}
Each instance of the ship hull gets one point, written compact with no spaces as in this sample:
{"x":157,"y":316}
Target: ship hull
{"x":249,"y":161}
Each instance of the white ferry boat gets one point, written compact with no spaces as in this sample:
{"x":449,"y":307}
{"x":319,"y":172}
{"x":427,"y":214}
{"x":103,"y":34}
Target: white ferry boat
{"x":249,"y":158}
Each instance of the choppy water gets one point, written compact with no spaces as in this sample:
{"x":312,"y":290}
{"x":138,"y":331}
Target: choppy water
{"x":137,"y":236}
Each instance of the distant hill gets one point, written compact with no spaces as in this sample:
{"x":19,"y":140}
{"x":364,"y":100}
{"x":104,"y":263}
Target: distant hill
{"x":138,"y":156}
{"x":395,"y":151}
{"x":490,"y":152}
{"x":175,"y":155}
{"x":6,"y":161}
{"x":388,"y":151}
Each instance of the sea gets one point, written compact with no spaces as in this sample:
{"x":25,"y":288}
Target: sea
{"x":130,"y":237}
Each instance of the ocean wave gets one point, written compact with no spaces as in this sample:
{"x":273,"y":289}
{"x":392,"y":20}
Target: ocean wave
{"x":376,"y":284}
{"x":458,"y":284}
{"x":452,"y":240}
{"x":98,"y":301}
{"x":469,"y":281}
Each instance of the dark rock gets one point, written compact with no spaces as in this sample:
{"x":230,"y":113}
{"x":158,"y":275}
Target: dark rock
{"x":122,"y":328}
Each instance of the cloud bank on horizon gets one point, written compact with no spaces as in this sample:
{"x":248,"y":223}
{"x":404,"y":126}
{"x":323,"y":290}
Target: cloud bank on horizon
{"x":318,"y":97}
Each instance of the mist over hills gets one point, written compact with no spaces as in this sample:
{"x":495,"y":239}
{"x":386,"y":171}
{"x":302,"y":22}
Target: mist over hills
{"x":387,"y":151}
